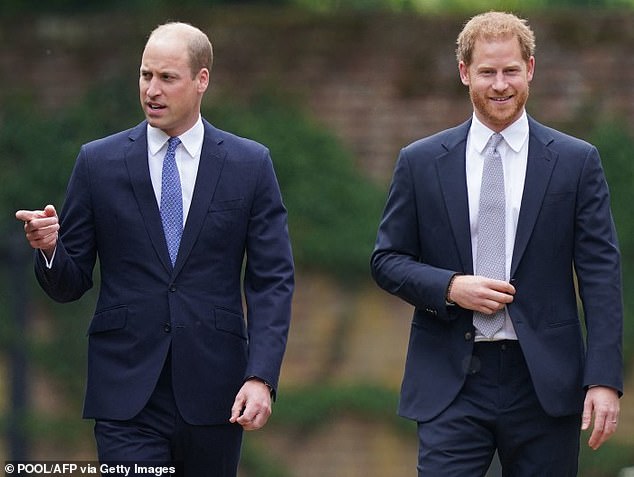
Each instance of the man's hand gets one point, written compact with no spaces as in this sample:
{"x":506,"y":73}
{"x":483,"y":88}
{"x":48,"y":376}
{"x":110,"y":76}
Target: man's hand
{"x":252,"y":406}
{"x":603,"y":403}
{"x":482,"y":294}
{"x":41,"y":228}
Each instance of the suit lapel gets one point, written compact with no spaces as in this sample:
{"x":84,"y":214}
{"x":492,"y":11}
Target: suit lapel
{"x":453,"y":183}
{"x":541,"y":162}
{"x":139,"y":171}
{"x":212,"y":158}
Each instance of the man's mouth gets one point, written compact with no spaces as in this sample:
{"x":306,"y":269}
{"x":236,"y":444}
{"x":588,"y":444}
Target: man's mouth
{"x":501,"y":99}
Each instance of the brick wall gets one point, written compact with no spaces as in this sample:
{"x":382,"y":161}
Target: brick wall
{"x":377,"y":80}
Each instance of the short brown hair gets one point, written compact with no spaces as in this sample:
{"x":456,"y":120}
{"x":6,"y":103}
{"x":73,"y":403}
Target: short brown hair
{"x":493,"y":25}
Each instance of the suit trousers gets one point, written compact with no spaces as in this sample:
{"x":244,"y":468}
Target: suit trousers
{"x":159,"y":436}
{"x":497,"y":409}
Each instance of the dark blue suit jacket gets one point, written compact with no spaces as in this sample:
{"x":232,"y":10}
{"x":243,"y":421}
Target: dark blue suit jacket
{"x":565,"y":226}
{"x":146,"y":306}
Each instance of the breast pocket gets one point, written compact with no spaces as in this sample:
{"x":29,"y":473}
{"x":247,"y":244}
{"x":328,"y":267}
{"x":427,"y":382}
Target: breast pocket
{"x":226,"y":205}
{"x":558,"y":198}
{"x":226,"y":221}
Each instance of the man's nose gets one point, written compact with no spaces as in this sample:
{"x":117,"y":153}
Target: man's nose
{"x":500,"y":83}
{"x":153,"y":88}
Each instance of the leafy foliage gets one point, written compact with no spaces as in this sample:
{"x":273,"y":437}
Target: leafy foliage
{"x":333,"y":209}
{"x":615,"y":145}
{"x":311,"y":407}
{"x":608,"y":461}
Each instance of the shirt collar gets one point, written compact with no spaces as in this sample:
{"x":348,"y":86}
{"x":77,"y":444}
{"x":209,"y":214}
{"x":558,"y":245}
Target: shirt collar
{"x":192,"y":139}
{"x":514,"y":135}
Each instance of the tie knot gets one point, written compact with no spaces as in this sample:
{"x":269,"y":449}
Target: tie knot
{"x":494,"y":142}
{"x":172,"y":143}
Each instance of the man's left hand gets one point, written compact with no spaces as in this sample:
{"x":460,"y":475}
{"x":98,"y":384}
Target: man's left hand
{"x":603,"y":403}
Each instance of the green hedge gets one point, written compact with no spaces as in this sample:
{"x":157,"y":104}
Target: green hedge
{"x":333,"y":209}
{"x":615,"y":144}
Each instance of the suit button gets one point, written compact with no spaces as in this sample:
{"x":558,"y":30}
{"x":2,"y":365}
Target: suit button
{"x":172,"y":288}
{"x":167,"y":328}
{"x":468,"y":336}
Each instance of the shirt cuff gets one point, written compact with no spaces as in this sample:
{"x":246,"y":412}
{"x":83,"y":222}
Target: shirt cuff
{"x":49,"y":263}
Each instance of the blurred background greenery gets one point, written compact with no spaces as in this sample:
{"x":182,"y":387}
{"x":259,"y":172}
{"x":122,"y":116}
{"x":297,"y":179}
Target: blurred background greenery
{"x":424,"y":6}
{"x":334,"y":88}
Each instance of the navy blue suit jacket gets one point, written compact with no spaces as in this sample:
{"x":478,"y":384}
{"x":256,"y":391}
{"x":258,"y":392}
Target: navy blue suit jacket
{"x":146,"y":306}
{"x":564,"y":226}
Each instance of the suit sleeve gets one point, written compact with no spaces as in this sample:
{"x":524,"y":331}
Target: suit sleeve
{"x":397,"y":263}
{"x":70,"y":275}
{"x":269,"y":278}
{"x":597,"y":265}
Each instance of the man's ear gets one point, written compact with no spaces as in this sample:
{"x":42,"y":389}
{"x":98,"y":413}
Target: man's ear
{"x":203,"y":77}
{"x":464,"y":73}
{"x":530,"y":68}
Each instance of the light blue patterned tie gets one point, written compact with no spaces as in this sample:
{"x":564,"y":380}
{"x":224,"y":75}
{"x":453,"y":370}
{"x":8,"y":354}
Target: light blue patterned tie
{"x":171,"y":200}
{"x":491,"y":255}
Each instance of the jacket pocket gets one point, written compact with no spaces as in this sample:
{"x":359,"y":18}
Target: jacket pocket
{"x":555,"y":198}
{"x":109,"y":320}
{"x":221,"y":205}
{"x":561,"y":324}
{"x":230,"y":322}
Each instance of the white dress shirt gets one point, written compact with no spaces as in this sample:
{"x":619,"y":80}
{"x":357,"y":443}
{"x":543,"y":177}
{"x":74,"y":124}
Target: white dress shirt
{"x":514,"y":152}
{"x":187,"y":160}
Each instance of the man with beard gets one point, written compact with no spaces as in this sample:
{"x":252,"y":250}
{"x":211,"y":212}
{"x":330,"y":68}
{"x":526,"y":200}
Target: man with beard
{"x":486,"y":227}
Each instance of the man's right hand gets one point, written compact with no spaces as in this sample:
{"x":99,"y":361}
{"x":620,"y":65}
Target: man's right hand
{"x":482,"y":294}
{"x":41,"y":228}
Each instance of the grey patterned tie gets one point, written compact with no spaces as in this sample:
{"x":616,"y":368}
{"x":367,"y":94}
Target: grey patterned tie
{"x":491,"y":254}
{"x":171,"y":200}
